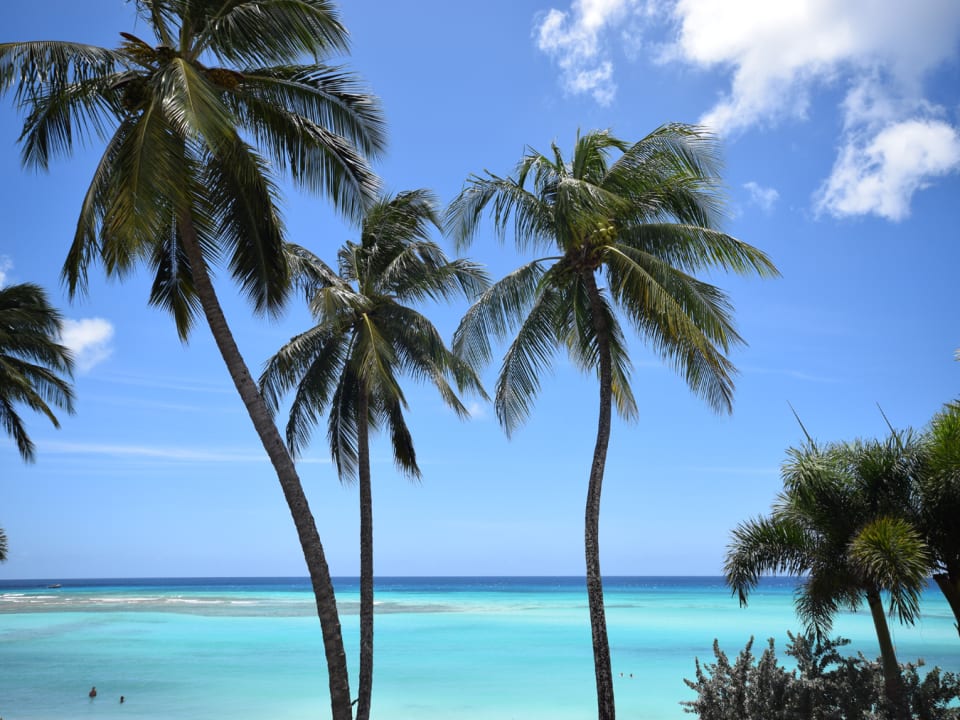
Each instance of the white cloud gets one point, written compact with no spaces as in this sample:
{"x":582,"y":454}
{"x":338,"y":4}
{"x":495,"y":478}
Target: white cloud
{"x":894,"y":141}
{"x":574,"y":40}
{"x":776,"y":56}
{"x":6,"y":265}
{"x":778,"y":52}
{"x":89,"y":339}
{"x":763,"y":197}
{"x":881,"y":174}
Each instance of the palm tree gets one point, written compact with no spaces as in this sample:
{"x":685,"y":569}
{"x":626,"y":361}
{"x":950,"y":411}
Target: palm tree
{"x":838,"y":524}
{"x":32,"y":361}
{"x":196,"y":123}
{"x":939,"y":500}
{"x":3,"y":546}
{"x":646,"y":220}
{"x":350,"y":362}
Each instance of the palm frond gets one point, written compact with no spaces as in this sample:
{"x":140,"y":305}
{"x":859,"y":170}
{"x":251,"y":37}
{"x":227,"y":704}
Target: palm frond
{"x":61,"y":117}
{"x":533,"y":221}
{"x":496,"y":313}
{"x":315,"y":377}
{"x":422,"y":354}
{"x":192,"y":105}
{"x":32,"y":362}
{"x":238,"y":185}
{"x":173,"y":288}
{"x":692,"y":248}
{"x":144,"y":183}
{"x":404,"y":454}
{"x":268,"y":31}
{"x":687,"y":321}
{"x":671,"y":173}
{"x":578,"y":327}
{"x":765,"y":545}
{"x":319,"y":347}
{"x":327,"y":96}
{"x":591,"y":155}
{"x":44,"y":68}
{"x":343,"y":425}
{"x":308,"y":273}
{"x":528,"y":356}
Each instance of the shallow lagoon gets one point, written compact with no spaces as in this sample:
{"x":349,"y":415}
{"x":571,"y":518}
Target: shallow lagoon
{"x":471,"y":648}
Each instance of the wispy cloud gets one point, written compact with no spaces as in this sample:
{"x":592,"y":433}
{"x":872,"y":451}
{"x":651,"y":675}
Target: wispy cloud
{"x":170,"y":453}
{"x":6,"y":265}
{"x":895,"y":140}
{"x":477,"y":410}
{"x":89,"y":339}
{"x":763,"y":197}
{"x":787,"y":372}
{"x":575,"y":39}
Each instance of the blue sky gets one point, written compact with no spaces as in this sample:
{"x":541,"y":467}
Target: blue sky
{"x":841,"y":133}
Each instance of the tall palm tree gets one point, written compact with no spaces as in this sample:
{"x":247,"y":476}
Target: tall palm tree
{"x":838,"y":524}
{"x":351,"y":361}
{"x":3,"y":546}
{"x":644,"y":221}
{"x":32,"y":361}
{"x":197,"y":121}
{"x":939,"y":500}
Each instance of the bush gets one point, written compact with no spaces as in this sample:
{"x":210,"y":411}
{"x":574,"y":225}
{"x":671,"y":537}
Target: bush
{"x":824,"y":686}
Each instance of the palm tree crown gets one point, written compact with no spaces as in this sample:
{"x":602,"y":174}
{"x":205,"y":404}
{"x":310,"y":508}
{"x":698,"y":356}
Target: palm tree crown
{"x":32,"y":362}
{"x":840,"y":524}
{"x":645,"y":221}
{"x":195,"y":126}
{"x":365,"y":337}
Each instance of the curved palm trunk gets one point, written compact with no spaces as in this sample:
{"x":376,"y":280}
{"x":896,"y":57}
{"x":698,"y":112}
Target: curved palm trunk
{"x":892,"y":679}
{"x":606,"y":709}
{"x":950,"y":587}
{"x":366,"y":560}
{"x":286,"y":473}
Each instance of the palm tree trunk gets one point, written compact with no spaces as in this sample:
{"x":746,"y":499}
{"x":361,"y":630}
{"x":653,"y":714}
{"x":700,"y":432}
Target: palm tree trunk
{"x":296,"y":499}
{"x":950,"y":587}
{"x":366,"y":559}
{"x":892,"y":679}
{"x":606,"y":709}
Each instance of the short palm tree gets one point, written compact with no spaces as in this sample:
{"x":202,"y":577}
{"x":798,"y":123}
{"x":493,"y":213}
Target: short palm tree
{"x":32,"y":361}
{"x":197,"y":120}
{"x":351,"y":361}
{"x":939,"y":500}
{"x":644,"y":221}
{"x":838,"y":524}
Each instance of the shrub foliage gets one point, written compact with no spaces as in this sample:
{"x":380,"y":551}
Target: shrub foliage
{"x":824,"y":685}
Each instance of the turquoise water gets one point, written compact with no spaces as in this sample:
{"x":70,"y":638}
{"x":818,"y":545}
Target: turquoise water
{"x":467,"y":648}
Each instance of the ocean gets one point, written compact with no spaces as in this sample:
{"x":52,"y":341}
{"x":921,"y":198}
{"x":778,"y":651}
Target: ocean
{"x":462,"y":648}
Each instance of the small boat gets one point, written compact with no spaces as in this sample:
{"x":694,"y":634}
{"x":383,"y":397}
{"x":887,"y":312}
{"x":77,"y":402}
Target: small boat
{"x":54,"y":586}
